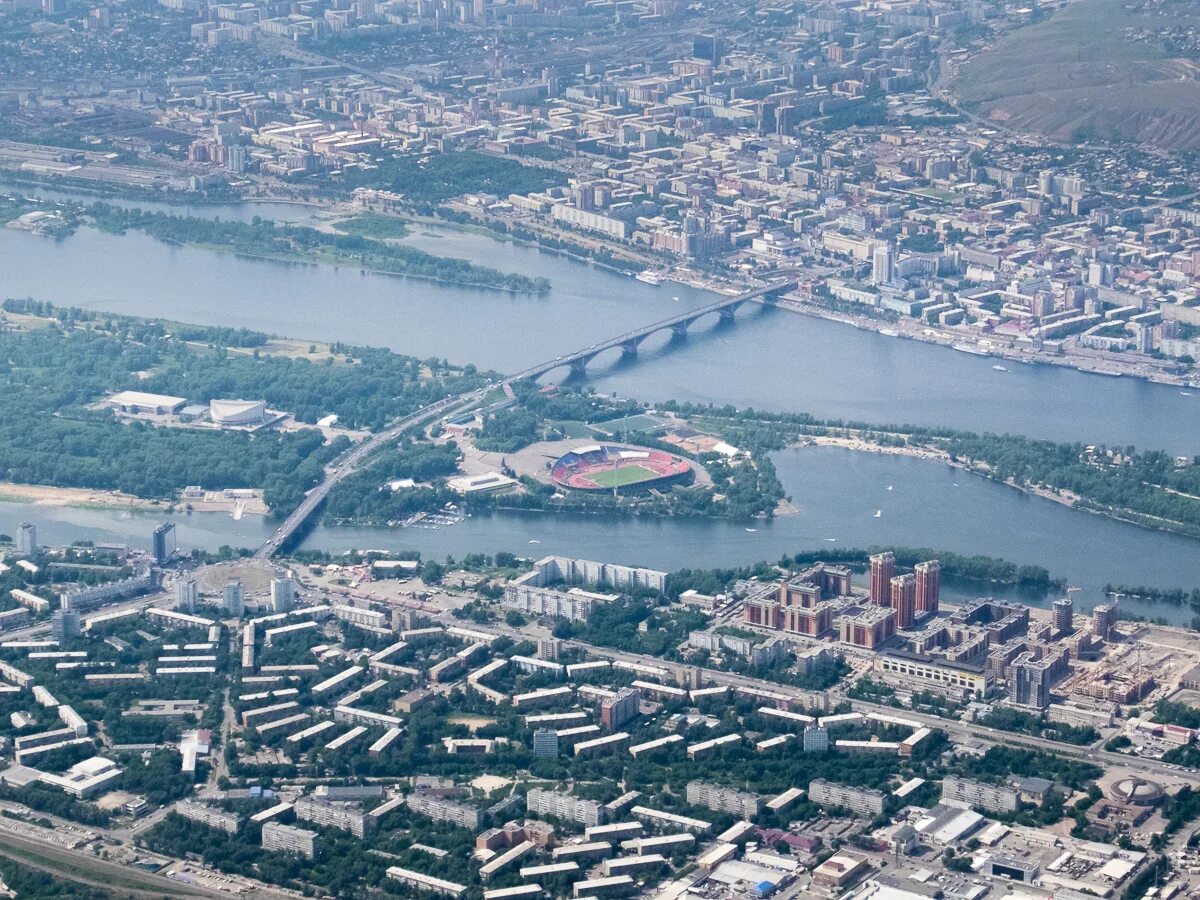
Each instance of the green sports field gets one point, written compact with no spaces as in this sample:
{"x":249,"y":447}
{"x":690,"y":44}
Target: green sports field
{"x":623,"y":476}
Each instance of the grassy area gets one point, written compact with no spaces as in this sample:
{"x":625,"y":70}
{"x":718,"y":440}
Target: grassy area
{"x":623,"y":476}
{"x":374,"y":225}
{"x":1079,"y":74}
{"x":648,"y":424}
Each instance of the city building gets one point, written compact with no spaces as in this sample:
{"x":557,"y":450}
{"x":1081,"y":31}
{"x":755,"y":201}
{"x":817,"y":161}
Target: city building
{"x":27,"y":544}
{"x":209,"y":815}
{"x":334,"y":815}
{"x":541,"y":802}
{"x":989,"y":797}
{"x":163,"y":542}
{"x":815,"y":739}
{"x":64,"y":625}
{"x":913,"y":671}
{"x":233,"y":599}
{"x":861,"y":801}
{"x":722,"y":799}
{"x":1031,"y":675}
{"x":1064,"y":615}
{"x":868,"y":627}
{"x":903,"y":595}
{"x":616,"y":711}
{"x":289,"y":839}
{"x":545,"y":743}
{"x":1104,"y":617}
{"x":186,"y":594}
{"x":443,"y":809}
{"x":575,"y":604}
{"x":882,"y":571}
{"x":929,"y":585}
{"x":283,"y":594}
{"x":424,"y":882}
{"x":88,"y":597}
{"x":555,"y":569}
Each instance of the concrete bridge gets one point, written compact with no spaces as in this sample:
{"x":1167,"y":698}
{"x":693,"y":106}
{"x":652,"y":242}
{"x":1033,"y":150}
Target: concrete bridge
{"x":630,"y":341}
{"x":578,"y":361}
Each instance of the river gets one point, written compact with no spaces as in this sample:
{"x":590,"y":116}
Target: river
{"x":769,"y":359}
{"x":837,"y":493}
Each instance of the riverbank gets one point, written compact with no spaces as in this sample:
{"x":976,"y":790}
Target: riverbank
{"x":75,"y":498}
{"x":238,"y":504}
{"x":932,"y":454}
{"x":1061,"y":496}
{"x":1106,"y":365}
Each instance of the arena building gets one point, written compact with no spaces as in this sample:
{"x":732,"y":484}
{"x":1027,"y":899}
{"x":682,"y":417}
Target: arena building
{"x":611,"y":467}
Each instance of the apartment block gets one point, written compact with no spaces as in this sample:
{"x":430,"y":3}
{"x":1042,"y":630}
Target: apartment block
{"x":290,"y":839}
{"x":563,"y":806}
{"x":991,"y":797}
{"x":723,"y":799}
{"x":862,"y":801}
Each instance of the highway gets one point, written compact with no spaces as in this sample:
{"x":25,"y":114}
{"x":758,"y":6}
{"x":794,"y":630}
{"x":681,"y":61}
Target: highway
{"x":84,"y":867}
{"x":346,"y":464}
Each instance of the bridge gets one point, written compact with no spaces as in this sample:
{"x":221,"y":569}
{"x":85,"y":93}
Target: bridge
{"x":630,"y":341}
{"x":346,"y":464}
{"x":577,"y":361}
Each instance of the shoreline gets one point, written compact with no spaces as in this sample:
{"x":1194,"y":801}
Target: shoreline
{"x":999,"y":353}
{"x":1063,"y":498}
{"x":35,"y":495}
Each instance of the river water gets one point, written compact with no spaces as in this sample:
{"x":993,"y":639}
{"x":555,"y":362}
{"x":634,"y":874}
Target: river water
{"x":837,"y":493}
{"x":769,"y":359}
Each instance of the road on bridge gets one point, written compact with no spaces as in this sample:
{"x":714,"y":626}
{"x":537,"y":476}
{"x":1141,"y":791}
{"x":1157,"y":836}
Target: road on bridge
{"x":346,"y":464}
{"x":645,"y":331}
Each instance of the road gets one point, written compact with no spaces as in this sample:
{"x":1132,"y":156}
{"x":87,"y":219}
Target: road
{"x":346,"y":464}
{"x":84,"y":867}
{"x":638,"y":334}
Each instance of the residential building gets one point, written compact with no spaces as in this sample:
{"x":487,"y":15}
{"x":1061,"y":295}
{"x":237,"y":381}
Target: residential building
{"x":862,"y":801}
{"x":723,"y":799}
{"x":545,"y":744}
{"x":334,"y":815}
{"x":289,"y":839}
{"x":541,"y":802}
{"x":903,"y":595}
{"x":929,"y":585}
{"x":233,"y":599}
{"x":882,"y":571}
{"x":616,"y":711}
{"x":443,"y":809}
{"x":27,"y":544}
{"x":989,"y":797}
{"x":209,"y":815}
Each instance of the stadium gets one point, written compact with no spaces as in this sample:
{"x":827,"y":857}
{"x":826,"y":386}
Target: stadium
{"x":608,"y":467}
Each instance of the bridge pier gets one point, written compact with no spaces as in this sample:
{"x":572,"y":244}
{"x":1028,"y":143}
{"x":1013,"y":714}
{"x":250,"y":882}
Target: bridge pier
{"x":630,"y":347}
{"x":727,"y":314}
{"x":680,"y":329}
{"x":579,"y":366}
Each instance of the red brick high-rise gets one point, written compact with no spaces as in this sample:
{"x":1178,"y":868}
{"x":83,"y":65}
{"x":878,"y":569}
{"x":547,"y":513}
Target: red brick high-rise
{"x":883,"y":569}
{"x":929,"y":585}
{"x":904,"y":599}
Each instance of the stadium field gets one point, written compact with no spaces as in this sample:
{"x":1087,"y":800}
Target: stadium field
{"x":623,"y":476}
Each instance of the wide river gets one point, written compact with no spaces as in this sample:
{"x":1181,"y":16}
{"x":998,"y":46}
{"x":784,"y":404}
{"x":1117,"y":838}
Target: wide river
{"x":769,"y":359}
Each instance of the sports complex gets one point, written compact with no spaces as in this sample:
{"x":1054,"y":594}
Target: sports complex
{"x":610,"y":467}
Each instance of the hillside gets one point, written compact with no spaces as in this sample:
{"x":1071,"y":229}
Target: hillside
{"x":1094,"y":70}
